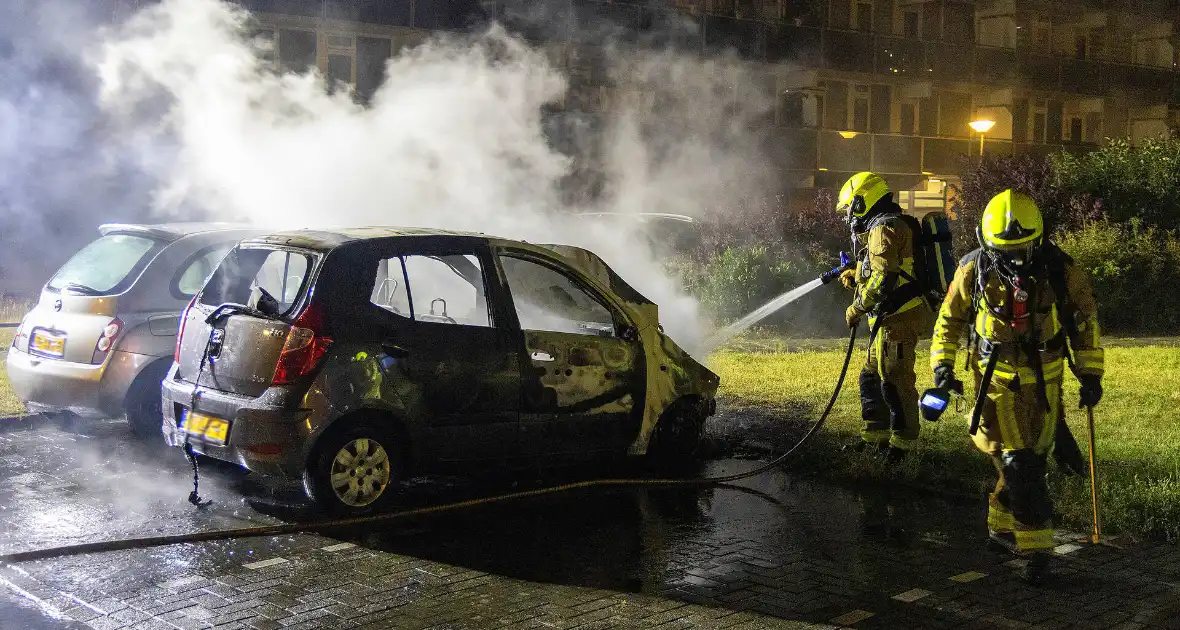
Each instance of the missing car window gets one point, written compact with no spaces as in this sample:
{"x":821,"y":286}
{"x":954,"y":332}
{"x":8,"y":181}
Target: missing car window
{"x":547,"y":300}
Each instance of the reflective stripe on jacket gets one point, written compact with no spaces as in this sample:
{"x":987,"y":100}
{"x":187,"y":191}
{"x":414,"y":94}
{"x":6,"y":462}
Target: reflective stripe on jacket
{"x":993,"y":321}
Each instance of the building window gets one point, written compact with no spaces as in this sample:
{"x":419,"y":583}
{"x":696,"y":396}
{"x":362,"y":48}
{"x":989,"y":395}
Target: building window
{"x":339,"y":72}
{"x":860,"y":108}
{"x":1039,"y":126}
{"x":954,"y":114}
{"x":371,"y":56}
{"x":863,"y":17}
{"x":909,"y":119}
{"x":265,"y":42}
{"x":839,"y":14}
{"x":1093,"y":130}
{"x":912,"y":24}
{"x":959,"y":23}
{"x":800,"y":108}
{"x":790,"y":108}
{"x":297,"y":50}
{"x":721,"y":7}
{"x":1042,"y":38}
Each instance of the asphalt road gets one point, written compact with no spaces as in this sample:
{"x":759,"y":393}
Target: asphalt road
{"x":775,"y":546}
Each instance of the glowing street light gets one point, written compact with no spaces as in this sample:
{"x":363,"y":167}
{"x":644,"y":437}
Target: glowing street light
{"x":981,"y":127}
{"x":848,"y":135}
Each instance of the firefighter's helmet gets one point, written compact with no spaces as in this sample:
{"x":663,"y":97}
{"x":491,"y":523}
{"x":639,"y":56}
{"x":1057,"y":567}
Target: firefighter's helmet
{"x":1012,"y":227}
{"x":860,"y":193}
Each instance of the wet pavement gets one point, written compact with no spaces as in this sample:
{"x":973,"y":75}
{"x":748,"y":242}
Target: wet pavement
{"x":771,"y":552}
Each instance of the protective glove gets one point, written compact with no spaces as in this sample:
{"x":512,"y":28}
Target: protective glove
{"x":848,"y":278}
{"x":852,"y":316}
{"x":944,"y":376}
{"x":1091,"y":391}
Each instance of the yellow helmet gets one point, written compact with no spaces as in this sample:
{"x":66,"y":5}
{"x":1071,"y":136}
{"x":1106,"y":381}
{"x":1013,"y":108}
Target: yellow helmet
{"x":1012,"y":226}
{"x":860,"y":193}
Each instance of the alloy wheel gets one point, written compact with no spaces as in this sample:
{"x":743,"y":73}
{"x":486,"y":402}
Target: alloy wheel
{"x":360,"y":472}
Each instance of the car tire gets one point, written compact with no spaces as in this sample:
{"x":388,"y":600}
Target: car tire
{"x":678,"y":439}
{"x":365,"y":461}
{"x":145,"y":415}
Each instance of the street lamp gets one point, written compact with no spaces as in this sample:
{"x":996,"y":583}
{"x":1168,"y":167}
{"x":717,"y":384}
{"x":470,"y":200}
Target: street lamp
{"x":848,"y":135}
{"x":981,"y":127}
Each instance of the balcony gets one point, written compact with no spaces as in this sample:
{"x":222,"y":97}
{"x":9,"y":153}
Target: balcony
{"x":1080,"y":76}
{"x":848,"y":51}
{"x":794,"y":44}
{"x":900,"y":57}
{"x":826,"y":150}
{"x":746,"y":37}
{"x":997,"y":66}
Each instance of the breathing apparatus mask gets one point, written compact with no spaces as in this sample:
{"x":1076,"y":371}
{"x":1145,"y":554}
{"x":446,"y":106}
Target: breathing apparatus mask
{"x":1016,"y":265}
{"x":856,"y":216}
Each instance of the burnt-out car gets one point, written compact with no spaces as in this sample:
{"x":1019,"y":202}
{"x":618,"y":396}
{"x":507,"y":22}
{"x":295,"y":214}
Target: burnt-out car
{"x":353,"y":359}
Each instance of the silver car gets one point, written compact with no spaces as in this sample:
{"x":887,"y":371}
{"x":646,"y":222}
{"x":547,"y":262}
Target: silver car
{"x":103,"y":334}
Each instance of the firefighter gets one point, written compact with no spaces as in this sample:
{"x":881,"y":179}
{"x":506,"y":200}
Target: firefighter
{"x":1025,"y":305}
{"x":887,"y":293}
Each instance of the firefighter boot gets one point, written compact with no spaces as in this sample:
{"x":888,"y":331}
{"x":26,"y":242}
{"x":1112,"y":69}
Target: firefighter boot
{"x":1001,"y":542}
{"x":1037,"y":569}
{"x":895,"y":455}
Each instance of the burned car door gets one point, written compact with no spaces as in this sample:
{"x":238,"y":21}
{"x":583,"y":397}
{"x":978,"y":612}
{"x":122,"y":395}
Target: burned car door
{"x":446,"y":355}
{"x":584,"y":378}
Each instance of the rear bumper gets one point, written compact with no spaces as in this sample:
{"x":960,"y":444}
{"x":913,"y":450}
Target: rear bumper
{"x":88,"y":390}
{"x":262,"y":438}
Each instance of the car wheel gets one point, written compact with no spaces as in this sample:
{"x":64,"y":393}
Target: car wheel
{"x":144,"y":413}
{"x":355,"y":471}
{"x":679,"y":435}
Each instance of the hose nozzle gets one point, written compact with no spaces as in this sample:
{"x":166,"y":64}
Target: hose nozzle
{"x":845,"y":264}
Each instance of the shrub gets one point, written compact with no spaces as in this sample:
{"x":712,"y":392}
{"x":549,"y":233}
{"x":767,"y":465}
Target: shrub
{"x":739,"y":280}
{"x":1135,"y":269}
{"x":1124,"y":182}
{"x":980,"y":181}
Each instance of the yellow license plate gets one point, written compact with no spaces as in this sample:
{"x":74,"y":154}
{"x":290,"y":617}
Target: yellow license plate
{"x":211,"y":429}
{"x":48,"y":345}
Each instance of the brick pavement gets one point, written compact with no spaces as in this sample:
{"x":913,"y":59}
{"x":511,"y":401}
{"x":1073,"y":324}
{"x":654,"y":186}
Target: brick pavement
{"x":322,"y":583}
{"x":798,"y":554}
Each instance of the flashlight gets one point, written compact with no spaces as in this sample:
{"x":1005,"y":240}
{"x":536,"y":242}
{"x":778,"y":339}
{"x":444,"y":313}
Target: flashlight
{"x":936,"y":399}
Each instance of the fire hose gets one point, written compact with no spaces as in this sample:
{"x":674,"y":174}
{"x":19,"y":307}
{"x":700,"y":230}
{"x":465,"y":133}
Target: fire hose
{"x":319,"y":526}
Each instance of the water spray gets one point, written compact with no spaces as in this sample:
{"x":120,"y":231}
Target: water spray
{"x":766,"y":310}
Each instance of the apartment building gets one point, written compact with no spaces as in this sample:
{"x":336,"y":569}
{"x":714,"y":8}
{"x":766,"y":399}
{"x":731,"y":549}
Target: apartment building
{"x":887,"y":85}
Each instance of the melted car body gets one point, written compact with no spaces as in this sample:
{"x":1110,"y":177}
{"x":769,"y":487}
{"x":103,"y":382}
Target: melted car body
{"x":355,"y":358}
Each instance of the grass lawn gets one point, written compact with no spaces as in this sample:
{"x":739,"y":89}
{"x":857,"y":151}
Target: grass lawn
{"x":1138,"y":429}
{"x":9,"y":405}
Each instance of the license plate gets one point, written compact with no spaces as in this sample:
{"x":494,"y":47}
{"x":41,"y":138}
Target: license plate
{"x":208,"y":428}
{"x":47,"y":344}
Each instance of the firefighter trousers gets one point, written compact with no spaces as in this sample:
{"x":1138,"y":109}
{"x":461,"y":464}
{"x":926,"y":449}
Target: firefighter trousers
{"x":889,"y":393}
{"x":1016,"y":430}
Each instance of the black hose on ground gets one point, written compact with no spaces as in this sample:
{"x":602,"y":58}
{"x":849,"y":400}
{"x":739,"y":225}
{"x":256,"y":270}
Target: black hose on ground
{"x":319,"y":526}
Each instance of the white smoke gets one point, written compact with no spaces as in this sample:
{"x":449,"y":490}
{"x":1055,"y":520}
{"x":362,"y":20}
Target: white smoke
{"x":453,"y":139}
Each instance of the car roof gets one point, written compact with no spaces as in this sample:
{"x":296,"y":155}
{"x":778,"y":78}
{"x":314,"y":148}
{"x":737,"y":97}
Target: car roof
{"x":330,"y":238}
{"x":170,"y":231}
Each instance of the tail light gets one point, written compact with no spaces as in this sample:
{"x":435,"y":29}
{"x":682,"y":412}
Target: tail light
{"x":20,"y":332}
{"x":107,"y":341}
{"x":180,"y":331}
{"x":306,"y":344}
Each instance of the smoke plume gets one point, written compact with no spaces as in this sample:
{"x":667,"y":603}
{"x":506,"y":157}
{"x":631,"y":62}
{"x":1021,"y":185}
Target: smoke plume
{"x":60,"y":174}
{"x":455,"y":138}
